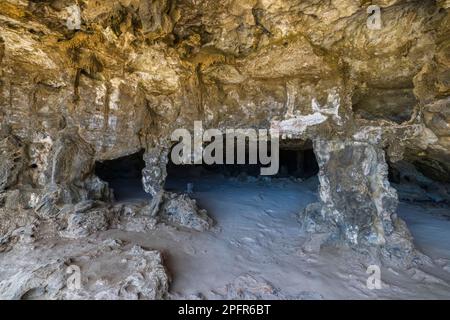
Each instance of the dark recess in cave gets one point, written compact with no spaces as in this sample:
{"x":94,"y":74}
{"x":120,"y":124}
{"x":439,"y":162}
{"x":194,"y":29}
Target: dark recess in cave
{"x":415,"y":184}
{"x":298,"y":163}
{"x":380,"y":103}
{"x":297,"y":160}
{"x":124,"y":175}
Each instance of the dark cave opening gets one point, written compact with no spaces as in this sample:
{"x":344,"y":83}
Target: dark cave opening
{"x":296,"y":160}
{"x":234,"y":191}
{"x":413,"y":184}
{"x":124,"y":175}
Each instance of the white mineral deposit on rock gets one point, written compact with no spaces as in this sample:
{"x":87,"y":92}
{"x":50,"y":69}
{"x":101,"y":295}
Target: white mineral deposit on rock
{"x":91,"y":92}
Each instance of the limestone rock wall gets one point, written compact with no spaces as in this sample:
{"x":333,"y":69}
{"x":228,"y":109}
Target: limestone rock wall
{"x":83,"y":80}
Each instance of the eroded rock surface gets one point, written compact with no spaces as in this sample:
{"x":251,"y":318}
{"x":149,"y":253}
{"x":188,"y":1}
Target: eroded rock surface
{"x":179,"y":210}
{"x":119,"y":272}
{"x":105,"y":79}
{"x":357,"y":204}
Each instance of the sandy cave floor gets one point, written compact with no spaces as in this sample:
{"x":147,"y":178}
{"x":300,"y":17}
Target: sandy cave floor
{"x":256,"y":242}
{"x":257,"y":235}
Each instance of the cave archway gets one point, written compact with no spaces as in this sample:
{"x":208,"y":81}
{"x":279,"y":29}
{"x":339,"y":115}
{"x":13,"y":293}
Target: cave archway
{"x":297,"y":161}
{"x":124,"y":175}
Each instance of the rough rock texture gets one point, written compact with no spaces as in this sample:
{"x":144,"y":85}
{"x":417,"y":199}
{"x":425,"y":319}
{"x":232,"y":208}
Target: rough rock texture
{"x":179,"y":210}
{"x":357,"y":204}
{"x":123,"y":74}
{"x":354,"y":191}
{"x":412,"y":185}
{"x":154,"y":174}
{"x":254,"y":287}
{"x":134,"y":217}
{"x":86,"y":218}
{"x":121,"y":273}
{"x":183,"y":211}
